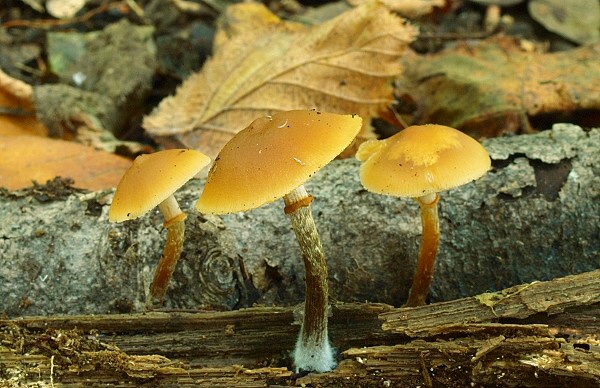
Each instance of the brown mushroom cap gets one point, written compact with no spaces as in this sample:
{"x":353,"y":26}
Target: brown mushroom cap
{"x":153,"y":178}
{"x":420,"y":160}
{"x":273,"y":156}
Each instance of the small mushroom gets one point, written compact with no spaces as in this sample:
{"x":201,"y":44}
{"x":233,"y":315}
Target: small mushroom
{"x":419,"y":162}
{"x":150,"y":181}
{"x":271,"y":159}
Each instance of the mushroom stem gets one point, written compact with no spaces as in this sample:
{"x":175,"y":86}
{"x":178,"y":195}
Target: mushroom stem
{"x":170,"y":209}
{"x":313,"y":350}
{"x":428,"y":251}
{"x":174,"y":222}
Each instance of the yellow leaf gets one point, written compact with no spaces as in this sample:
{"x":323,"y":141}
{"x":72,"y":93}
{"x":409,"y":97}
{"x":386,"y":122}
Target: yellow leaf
{"x":262,"y":65}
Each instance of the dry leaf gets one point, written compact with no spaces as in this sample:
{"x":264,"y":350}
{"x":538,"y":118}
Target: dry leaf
{"x":28,"y":158}
{"x":18,"y":118}
{"x":490,"y":88}
{"x":576,"y":20}
{"x":17,"y":115}
{"x":262,"y":65}
{"x":409,"y":8}
{"x":64,"y":9}
{"x":35,"y":4}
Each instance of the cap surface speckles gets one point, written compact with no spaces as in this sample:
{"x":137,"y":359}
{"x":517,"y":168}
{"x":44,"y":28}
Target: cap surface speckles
{"x":420,"y":160}
{"x":151,"y":179}
{"x":273,"y":156}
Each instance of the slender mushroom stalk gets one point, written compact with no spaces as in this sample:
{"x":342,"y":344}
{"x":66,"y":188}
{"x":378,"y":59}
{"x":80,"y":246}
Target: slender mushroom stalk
{"x":313,"y":349}
{"x":427,"y":252}
{"x":419,"y":162}
{"x":151,"y":181}
{"x":175,"y":225}
{"x":271,"y":159}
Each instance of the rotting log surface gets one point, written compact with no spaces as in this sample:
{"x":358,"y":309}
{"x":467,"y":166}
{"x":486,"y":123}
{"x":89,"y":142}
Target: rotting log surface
{"x":515,"y":302}
{"x":535,"y":216}
{"x":559,"y":346}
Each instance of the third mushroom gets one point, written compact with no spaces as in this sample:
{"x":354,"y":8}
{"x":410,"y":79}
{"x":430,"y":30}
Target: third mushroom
{"x":419,"y":162}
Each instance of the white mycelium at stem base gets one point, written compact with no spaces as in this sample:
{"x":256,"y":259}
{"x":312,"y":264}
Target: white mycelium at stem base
{"x":313,"y":350}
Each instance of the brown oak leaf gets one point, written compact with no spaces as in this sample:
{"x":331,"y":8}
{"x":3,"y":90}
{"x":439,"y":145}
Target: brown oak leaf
{"x":262,"y":65}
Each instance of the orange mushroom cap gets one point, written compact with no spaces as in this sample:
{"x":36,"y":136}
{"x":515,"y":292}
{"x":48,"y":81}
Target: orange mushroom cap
{"x":273,"y":156}
{"x":151,"y":179}
{"x":420,"y":160}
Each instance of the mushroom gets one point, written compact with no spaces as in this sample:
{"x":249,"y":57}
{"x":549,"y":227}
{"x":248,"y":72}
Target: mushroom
{"x":271,"y":159}
{"x":419,"y":162}
{"x":150,"y":181}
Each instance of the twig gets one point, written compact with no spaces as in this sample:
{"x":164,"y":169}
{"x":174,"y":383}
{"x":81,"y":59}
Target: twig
{"x":52,"y":371}
{"x":455,"y":35}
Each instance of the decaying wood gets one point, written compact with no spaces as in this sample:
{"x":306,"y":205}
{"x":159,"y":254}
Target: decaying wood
{"x":515,"y":302}
{"x":495,"y":362}
{"x":253,"y":337}
{"x":558,"y":346}
{"x":535,"y":216}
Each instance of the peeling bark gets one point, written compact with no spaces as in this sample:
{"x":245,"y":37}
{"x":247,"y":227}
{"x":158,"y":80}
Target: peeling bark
{"x":515,"y":302}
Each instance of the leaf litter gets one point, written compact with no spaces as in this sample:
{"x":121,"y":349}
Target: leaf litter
{"x":494,"y":87}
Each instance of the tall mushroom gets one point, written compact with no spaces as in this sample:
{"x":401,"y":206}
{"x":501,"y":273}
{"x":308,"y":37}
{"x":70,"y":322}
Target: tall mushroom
{"x":271,"y":159}
{"x":151,"y":181}
{"x":419,"y":162}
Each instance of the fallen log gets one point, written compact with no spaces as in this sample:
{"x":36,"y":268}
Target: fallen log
{"x":534,"y":216}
